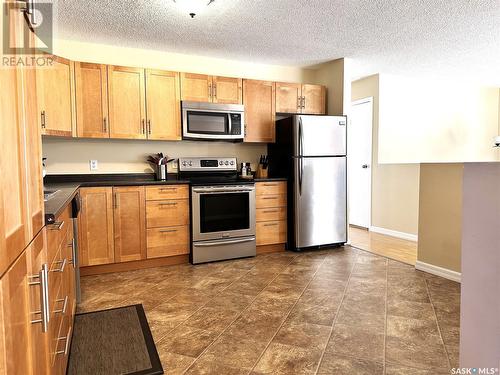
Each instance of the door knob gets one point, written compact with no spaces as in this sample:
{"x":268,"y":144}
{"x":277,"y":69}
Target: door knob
{"x":364,"y":166}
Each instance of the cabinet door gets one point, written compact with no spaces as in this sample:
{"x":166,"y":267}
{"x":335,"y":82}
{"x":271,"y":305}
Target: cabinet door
{"x":163,"y":105}
{"x":96,"y":245}
{"x":54,"y":93}
{"x":13,"y":218}
{"x":314,"y":98}
{"x":227,"y":90}
{"x":288,"y":96}
{"x":36,"y":255}
{"x":34,"y":180}
{"x":127,"y":102}
{"x":129,"y":223}
{"x":196,"y":87}
{"x":91,"y":86}
{"x":15,"y":319}
{"x":259,"y":101}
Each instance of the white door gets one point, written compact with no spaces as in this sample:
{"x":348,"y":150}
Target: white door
{"x":359,"y":160}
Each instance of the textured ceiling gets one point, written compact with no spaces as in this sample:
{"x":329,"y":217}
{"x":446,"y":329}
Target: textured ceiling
{"x":393,"y":36}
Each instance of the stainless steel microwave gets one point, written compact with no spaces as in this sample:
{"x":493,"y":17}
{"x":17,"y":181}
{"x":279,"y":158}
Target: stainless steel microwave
{"x":210,"y":121}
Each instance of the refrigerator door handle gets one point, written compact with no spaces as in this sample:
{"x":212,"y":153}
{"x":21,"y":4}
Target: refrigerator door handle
{"x":301,"y":162}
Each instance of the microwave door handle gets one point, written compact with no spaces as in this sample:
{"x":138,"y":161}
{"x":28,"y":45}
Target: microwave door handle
{"x":230,"y":123}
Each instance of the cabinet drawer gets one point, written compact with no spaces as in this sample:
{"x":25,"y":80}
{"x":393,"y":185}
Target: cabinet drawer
{"x":270,"y":214}
{"x":167,"y":192}
{"x":57,"y":232}
{"x":266,"y":201}
{"x":167,"y":241}
{"x":270,"y":188}
{"x":271,"y":232}
{"x":167,"y":213}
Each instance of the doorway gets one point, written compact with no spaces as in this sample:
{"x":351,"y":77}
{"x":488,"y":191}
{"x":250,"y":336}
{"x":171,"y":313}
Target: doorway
{"x":359,"y":163}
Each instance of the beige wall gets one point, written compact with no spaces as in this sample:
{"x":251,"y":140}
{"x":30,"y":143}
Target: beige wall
{"x":66,"y":156}
{"x":115,"y":156}
{"x":334,"y":76}
{"x":440,"y":220}
{"x":424,"y":121}
{"x":113,"y":55}
{"x":394,"y":186}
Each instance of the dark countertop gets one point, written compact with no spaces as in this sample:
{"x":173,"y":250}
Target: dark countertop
{"x":68,"y":186}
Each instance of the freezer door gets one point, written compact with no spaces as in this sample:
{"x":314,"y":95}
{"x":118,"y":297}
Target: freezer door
{"x":320,"y":201}
{"x":319,"y":135}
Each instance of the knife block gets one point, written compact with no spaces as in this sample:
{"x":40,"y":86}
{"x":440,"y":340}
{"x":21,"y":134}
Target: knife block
{"x":261,"y":172}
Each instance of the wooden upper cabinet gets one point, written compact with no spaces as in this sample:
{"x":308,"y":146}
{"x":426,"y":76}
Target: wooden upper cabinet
{"x":15,"y":319}
{"x":259,"y":101}
{"x":33,"y":145}
{"x":91,"y":86}
{"x":96,"y":244}
{"x":313,"y":99}
{"x":13,"y":215}
{"x":288,"y":97}
{"x":196,"y":87}
{"x":212,"y":89}
{"x":129,"y":223}
{"x":226,"y":90}
{"x":54,"y":85}
{"x":127,"y":102}
{"x":163,"y":105}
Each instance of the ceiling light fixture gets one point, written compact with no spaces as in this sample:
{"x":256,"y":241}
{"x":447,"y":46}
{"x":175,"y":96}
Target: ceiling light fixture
{"x":193,"y":7}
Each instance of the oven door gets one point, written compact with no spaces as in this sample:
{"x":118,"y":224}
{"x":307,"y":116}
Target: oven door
{"x":220,"y":212}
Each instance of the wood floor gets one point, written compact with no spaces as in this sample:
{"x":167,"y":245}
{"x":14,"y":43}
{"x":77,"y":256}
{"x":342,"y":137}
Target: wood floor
{"x":391,"y":247}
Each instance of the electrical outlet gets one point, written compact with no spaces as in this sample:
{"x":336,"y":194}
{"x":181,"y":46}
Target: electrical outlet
{"x":172,"y":167}
{"x":93,"y":165}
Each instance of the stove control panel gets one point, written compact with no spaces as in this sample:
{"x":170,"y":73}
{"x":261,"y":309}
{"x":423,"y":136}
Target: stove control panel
{"x":207,"y":164}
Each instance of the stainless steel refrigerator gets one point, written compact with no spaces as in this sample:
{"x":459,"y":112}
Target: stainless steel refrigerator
{"x":311,"y":152}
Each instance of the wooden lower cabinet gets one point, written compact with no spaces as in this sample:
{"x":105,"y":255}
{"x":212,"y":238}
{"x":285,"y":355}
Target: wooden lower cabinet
{"x":96,"y":242}
{"x":129,"y":223}
{"x":167,"y":221}
{"x":271,"y":213}
{"x":34,"y":343}
{"x":15,"y":319}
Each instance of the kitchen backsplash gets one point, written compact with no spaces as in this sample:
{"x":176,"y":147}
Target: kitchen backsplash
{"x":69,"y":156}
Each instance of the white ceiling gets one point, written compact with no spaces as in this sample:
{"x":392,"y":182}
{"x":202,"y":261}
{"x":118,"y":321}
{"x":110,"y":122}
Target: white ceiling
{"x":458,"y":37}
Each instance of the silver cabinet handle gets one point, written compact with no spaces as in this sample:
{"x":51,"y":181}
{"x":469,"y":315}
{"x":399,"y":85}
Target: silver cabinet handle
{"x":66,"y":344}
{"x":167,"y":189}
{"x":65,"y":305}
{"x":73,"y":252}
{"x":269,"y":197}
{"x":299,"y":102}
{"x":269,"y":211}
{"x":149,"y":126}
{"x":207,"y":244}
{"x":63,"y":265}
{"x":270,"y":224}
{"x":116,"y":200}
{"x":210,"y":92}
{"x":167,"y":204}
{"x":105,"y":125}
{"x":44,"y":296}
{"x":303,"y":102}
{"x":269,"y":184}
{"x":167,"y":230}
{"x":143,"y":127}
{"x":214,"y":87}
{"x":58,"y":225}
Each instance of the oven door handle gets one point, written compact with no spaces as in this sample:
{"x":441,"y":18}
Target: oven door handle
{"x":195,"y":190}
{"x":229,"y":242}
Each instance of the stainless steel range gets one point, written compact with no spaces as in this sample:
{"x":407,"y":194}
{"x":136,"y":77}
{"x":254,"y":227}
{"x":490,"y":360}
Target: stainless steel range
{"x":222,"y":210}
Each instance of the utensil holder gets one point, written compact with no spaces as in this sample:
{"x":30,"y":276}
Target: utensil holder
{"x":261,"y":172}
{"x":161,"y":172}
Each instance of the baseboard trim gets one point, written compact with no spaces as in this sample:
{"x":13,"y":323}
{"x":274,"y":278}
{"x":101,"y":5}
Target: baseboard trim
{"x":438,"y":271}
{"x":395,"y":233}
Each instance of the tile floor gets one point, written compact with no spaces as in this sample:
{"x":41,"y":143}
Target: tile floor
{"x":340,"y":311}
